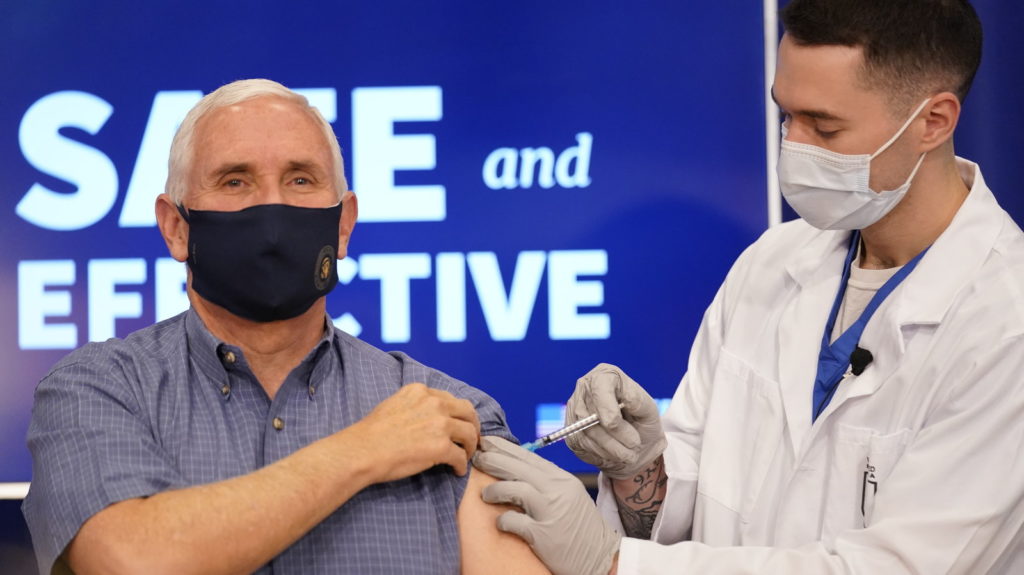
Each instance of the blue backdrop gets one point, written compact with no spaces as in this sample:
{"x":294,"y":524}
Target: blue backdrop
{"x":573,"y":179}
{"x":543,"y":185}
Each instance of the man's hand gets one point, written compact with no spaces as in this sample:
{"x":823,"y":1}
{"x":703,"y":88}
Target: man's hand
{"x":559,"y":522}
{"x":416,"y":429}
{"x":628,"y":439}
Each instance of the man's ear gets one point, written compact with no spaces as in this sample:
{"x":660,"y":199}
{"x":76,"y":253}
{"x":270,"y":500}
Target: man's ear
{"x":941,"y":116}
{"x":349,"y":214}
{"x":173,"y":227}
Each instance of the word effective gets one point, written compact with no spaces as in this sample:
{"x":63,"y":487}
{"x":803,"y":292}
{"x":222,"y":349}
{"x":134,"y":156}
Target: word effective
{"x":45,"y":294}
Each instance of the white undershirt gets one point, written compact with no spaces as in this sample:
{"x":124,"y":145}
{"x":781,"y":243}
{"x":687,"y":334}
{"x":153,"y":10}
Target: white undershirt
{"x":861,"y":287}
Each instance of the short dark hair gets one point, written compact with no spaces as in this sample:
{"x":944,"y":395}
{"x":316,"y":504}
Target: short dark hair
{"x":910,"y":47}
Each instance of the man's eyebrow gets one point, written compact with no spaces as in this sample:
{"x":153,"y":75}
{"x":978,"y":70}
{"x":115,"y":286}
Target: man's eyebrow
{"x":244,"y":167}
{"x":226,"y":169}
{"x":305,"y":166}
{"x":816,"y":114}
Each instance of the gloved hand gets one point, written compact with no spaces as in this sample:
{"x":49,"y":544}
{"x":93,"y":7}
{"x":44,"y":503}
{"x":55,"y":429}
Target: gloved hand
{"x":560,"y":521}
{"x":628,"y":439}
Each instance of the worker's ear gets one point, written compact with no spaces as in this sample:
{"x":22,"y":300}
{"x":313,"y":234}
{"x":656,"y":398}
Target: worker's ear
{"x":173,"y":227}
{"x":349,"y":214}
{"x":941,"y":116}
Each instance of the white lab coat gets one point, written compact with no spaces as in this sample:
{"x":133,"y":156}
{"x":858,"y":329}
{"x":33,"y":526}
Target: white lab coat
{"x":927,"y":441}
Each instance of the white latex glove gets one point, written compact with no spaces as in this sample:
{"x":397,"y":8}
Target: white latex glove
{"x":628,"y":439}
{"x":559,"y":521}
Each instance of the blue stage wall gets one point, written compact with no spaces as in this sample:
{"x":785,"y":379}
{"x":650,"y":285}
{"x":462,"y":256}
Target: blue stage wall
{"x":543,"y":185}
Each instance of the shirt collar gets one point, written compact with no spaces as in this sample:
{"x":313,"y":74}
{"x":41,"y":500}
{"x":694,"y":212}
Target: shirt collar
{"x":214,"y":358}
{"x":314,"y":359}
{"x":964,"y":246}
{"x":204,"y":349}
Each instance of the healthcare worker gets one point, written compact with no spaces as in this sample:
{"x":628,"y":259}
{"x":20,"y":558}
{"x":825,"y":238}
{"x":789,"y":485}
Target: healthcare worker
{"x":853,"y":401}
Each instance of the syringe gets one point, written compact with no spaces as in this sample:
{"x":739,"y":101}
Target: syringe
{"x":572,"y":429}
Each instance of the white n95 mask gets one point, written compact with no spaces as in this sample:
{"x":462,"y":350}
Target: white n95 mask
{"x":830,"y":191}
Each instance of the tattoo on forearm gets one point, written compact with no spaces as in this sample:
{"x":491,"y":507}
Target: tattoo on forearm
{"x":640,"y":498}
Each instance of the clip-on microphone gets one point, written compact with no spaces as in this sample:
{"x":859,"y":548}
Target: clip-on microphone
{"x":859,"y":359}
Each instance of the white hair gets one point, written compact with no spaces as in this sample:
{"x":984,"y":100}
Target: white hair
{"x":183,"y":145}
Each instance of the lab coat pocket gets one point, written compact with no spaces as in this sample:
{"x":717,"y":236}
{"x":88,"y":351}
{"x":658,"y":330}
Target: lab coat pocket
{"x":861,"y":461}
{"x":742,"y":436}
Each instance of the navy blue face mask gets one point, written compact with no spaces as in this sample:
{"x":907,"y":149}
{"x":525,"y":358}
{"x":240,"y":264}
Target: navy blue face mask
{"x":264,"y":263}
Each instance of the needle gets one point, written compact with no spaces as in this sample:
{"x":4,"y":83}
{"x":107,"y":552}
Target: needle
{"x":572,"y":429}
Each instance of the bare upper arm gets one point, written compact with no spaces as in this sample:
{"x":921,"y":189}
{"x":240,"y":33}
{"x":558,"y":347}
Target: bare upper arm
{"x":485,"y":549}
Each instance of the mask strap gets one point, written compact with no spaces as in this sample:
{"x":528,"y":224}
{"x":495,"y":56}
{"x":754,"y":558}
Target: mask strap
{"x":181,"y":210}
{"x":899,"y":133}
{"x":920,"y":161}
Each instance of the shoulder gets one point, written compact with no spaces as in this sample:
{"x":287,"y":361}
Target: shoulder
{"x":492,"y":417}
{"x":1009,"y":246}
{"x":392,"y":366}
{"x":395,"y":368}
{"x":155,"y":341}
{"x":989,"y":241}
{"x":784,"y":241}
{"x":363,"y":355}
{"x":983,"y":257}
{"x":993,"y":296}
{"x":119,"y":368}
{"x":788,"y":250}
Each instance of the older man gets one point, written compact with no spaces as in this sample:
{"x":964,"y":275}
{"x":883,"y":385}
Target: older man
{"x":248,"y":434}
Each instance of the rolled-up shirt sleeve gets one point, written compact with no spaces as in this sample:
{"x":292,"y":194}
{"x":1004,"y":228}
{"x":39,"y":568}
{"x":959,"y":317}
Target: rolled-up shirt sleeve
{"x":91,"y":447}
{"x":491,"y":415}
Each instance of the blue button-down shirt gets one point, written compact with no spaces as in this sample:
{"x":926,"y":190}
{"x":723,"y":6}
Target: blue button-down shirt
{"x":171,"y":406}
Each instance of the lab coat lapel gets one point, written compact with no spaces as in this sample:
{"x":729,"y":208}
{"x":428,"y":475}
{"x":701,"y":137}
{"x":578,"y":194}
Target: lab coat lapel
{"x":816,"y":271}
{"x":883,"y":337}
{"x":927,"y":293}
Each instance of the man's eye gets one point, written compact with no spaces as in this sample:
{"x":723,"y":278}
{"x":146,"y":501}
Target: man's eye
{"x":825,"y":134}
{"x":302,"y":181}
{"x":233,"y":183}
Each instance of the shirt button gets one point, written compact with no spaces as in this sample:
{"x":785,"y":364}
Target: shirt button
{"x":312,"y":390}
{"x":278,"y":423}
{"x":225,"y":389}
{"x":229,"y":357}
